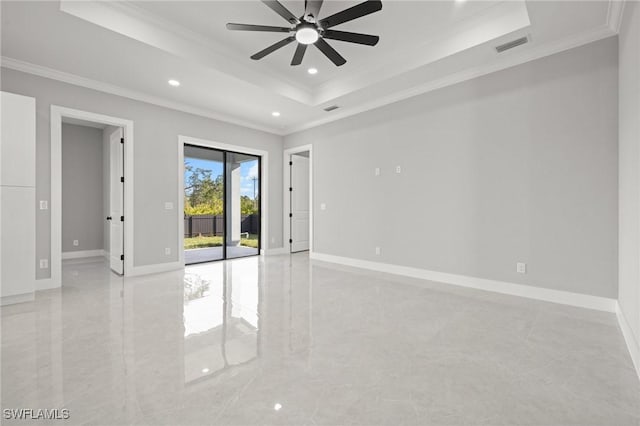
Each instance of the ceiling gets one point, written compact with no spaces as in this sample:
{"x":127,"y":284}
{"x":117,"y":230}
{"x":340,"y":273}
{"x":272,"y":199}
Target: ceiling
{"x":133,"y":48}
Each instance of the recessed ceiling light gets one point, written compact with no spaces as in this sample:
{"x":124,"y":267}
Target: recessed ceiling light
{"x":275,"y":114}
{"x":277,"y":407}
{"x":205,"y":370}
{"x":174,"y":83}
{"x":312,"y":71}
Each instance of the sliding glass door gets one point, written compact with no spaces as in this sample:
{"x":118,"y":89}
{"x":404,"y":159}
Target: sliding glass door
{"x":221,"y":204}
{"x":243,"y":205}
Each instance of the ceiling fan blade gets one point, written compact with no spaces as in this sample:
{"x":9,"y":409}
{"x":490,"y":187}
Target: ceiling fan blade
{"x":369,"y":40}
{"x":282,"y":43}
{"x":352,"y":13}
{"x":281,"y":10}
{"x":297,"y":57}
{"x":312,"y":7}
{"x":330,"y":52}
{"x":248,"y":27}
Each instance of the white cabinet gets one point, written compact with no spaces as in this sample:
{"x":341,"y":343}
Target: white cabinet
{"x":17,"y":198}
{"x":18,"y":241}
{"x":18,"y":147}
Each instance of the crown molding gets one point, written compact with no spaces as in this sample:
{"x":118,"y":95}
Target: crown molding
{"x":76,"y":80}
{"x":614,"y":15}
{"x":509,"y":61}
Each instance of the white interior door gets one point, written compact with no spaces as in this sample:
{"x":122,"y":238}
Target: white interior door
{"x":116,"y":203}
{"x":299,"y":203}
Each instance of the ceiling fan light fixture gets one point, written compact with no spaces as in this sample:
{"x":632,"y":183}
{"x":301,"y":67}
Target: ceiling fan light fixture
{"x":307,"y":34}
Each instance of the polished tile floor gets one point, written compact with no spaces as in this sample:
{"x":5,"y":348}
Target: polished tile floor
{"x":286,"y":340}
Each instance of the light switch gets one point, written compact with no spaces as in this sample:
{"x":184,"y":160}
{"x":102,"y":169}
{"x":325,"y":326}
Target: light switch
{"x":44,"y":205}
{"x":168,"y":205}
{"x":377,"y":171}
{"x":323,"y":206}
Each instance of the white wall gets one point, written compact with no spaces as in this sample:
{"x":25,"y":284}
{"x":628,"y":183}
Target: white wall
{"x":82,"y":188}
{"x":629,"y":107}
{"x":106,"y":184}
{"x":519,"y":165}
{"x":156,"y":161}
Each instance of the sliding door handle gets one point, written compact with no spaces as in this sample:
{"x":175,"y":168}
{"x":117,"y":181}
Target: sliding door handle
{"x":109,"y":218}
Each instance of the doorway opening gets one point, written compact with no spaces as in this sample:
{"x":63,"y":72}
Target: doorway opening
{"x":91,"y":190}
{"x":298,"y":199}
{"x":221,"y":204}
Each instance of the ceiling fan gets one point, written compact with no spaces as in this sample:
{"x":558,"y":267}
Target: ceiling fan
{"x":308,"y":29}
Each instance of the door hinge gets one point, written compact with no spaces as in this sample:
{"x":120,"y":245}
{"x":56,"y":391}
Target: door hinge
{"x":122,"y":179}
{"x":121,"y":140}
{"x":290,"y":214}
{"x":122,"y":257}
{"x":121,"y":218}
{"x":290,"y":241}
{"x":291,"y":163}
{"x":290,"y":189}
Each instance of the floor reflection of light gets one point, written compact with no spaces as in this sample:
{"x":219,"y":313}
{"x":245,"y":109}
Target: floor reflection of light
{"x":220,"y":316}
{"x":244,"y":295}
{"x":203,"y":301}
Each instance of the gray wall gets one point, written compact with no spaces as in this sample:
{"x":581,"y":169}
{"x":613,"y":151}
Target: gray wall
{"x":82,"y":208}
{"x":519,"y":165}
{"x":155,"y":156}
{"x":629,"y":292}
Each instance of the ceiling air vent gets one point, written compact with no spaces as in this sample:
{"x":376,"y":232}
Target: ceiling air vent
{"x":510,"y":45}
{"x":331,"y":108}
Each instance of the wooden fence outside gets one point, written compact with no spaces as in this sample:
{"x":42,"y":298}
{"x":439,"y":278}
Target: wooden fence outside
{"x":213,"y":225}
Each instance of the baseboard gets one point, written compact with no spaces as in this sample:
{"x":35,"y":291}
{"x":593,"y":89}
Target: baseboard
{"x":154,"y":269}
{"x":16,"y":298}
{"x":83,"y":253}
{"x":46,"y":284}
{"x":538,"y":293}
{"x":632,"y":343}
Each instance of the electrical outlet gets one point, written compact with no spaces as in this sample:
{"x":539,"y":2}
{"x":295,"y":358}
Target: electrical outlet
{"x":44,"y":205}
{"x":377,"y":251}
{"x":398,"y":169}
{"x":167,"y":251}
{"x":76,"y":243}
{"x":44,"y":263}
{"x":521,"y":268}
{"x":323,"y":206}
{"x":168,"y":205}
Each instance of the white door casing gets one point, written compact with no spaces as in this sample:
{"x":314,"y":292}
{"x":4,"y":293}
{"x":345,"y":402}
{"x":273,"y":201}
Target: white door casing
{"x":299,"y":219}
{"x":116,"y":204}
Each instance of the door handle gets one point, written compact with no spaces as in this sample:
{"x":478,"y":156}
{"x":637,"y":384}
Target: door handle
{"x":108,"y":217}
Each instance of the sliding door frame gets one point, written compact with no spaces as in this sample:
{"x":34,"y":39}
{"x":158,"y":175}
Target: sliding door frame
{"x":263,"y":162}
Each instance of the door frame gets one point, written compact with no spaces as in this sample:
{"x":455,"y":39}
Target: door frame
{"x":57,"y":113}
{"x":286,"y":200}
{"x":264,"y":186}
